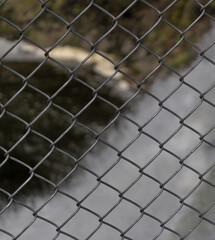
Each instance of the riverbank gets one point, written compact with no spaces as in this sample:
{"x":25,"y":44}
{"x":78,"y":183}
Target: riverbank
{"x":96,"y":67}
{"x":163,"y":22}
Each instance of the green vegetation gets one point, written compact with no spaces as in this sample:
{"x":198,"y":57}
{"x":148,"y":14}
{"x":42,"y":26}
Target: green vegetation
{"x":94,"y":23}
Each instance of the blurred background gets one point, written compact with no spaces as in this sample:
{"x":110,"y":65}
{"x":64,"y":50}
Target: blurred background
{"x":46,"y":100}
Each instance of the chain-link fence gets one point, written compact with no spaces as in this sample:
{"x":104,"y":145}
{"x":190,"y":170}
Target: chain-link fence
{"x":107,"y":120}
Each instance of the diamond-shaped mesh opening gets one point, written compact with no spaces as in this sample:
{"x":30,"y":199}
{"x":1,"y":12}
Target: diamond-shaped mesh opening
{"x":141,"y":18}
{"x":4,"y":201}
{"x":204,"y":228}
{"x":187,"y":103}
{"x":91,"y":116}
{"x":20,"y":67}
{"x":118,"y":216}
{"x":201,"y":159}
{"x":209,"y":95}
{"x":180,"y":55}
{"x":94,"y":79}
{"x":201,"y":112}
{"x":36,"y":186}
{"x":28,"y":100}
{"x":143,"y":114}
{"x":86,"y":220}
{"x":146,"y":195}
{"x":141,"y":62}
{"x":63,"y":236}
{"x":56,"y":119}
{"x":23,"y":9}
{"x":67,"y":141}
{"x":209,"y":8}
{"x":204,"y":2}
{"x":115,"y":7}
{"x":70,"y":9}
{"x":205,"y":81}
{"x":85,"y":181}
{"x":182,"y":19}
{"x":69,"y":98}
{"x":107,"y":158}
{"x":210,"y":137}
{"x":156,"y":37}
{"x":40,"y":79}
{"x":70,"y":51}
{"x":163,"y":159}
{"x":167,"y":234}
{"x":16,"y":225}
{"x":189,"y":182}
{"x":53,"y":25}
{"x":164,"y":211}
{"x":140,"y":228}
{"x":209,"y":50}
{"x":101,"y":200}
{"x":193,"y":34}
{"x":200,"y":199}
{"x":121,"y":88}
{"x":186,"y":222}
{"x":11,"y":135}
{"x":10,"y":83}
{"x":144,"y":144}
{"x":16,"y":172}
{"x":31,"y":149}
{"x":3,"y":156}
{"x":209,"y":175}
{"x":67,"y":204}
{"x":103,"y":65}
{"x":44,"y":226}
{"x":55,"y":166}
{"x":5,"y":236}
{"x":124,"y":180}
{"x":161,"y":6}
{"x":93,"y":23}
{"x":111,"y":135}
{"x":162,"y":88}
{"x":107,"y":231}
{"x":210,"y":214}
{"x":152,"y":127}
{"x":124,"y":42}
{"x":9,"y":31}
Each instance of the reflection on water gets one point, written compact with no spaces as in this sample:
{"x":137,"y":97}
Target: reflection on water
{"x":81,"y":185}
{"x":54,"y":123}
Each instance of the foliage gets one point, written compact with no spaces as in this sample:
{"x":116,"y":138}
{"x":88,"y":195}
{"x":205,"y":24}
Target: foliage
{"x":139,"y":19}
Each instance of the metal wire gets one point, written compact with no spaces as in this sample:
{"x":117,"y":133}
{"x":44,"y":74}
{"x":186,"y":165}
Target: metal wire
{"x":77,"y":161}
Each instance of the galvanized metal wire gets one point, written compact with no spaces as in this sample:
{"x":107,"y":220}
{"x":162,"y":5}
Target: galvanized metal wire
{"x":77,"y":161}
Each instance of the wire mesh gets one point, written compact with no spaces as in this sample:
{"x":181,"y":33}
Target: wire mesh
{"x":30,"y":136}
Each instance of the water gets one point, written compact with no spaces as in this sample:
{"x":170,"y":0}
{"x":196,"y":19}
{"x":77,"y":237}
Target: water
{"x":101,"y":157}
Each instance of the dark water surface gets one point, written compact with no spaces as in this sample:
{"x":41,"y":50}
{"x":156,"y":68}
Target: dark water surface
{"x":54,"y":123}
{"x":55,"y":165}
